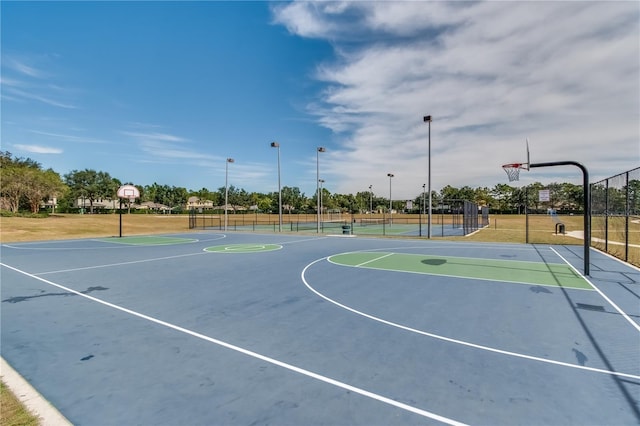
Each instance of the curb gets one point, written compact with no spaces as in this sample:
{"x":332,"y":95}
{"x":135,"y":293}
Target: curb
{"x":30,"y":397}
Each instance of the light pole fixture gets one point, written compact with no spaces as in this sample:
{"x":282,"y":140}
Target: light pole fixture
{"x":226,"y":191}
{"x":427,"y":119}
{"x":318,"y":151}
{"x":423,"y":210}
{"x":370,"y":199}
{"x":390,"y":202}
{"x":277,"y":145}
{"x":321,"y":182}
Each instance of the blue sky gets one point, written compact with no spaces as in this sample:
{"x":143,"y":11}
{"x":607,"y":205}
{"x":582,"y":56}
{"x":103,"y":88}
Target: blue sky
{"x":165,"y":91}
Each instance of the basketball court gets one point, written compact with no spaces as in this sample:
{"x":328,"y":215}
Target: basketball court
{"x":244,"y":328}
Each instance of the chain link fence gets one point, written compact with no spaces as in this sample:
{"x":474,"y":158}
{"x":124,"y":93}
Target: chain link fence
{"x":449,"y":218}
{"x":615,"y":216}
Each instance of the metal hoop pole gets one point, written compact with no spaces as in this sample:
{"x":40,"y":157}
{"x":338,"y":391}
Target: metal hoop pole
{"x":587,"y":204}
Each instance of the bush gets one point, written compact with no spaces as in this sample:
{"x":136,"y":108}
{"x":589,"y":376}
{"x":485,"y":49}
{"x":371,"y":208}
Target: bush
{"x":7,"y":213}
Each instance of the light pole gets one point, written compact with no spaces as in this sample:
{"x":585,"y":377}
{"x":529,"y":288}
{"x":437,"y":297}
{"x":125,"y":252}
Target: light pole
{"x":226,"y":190}
{"x":390,"y":203}
{"x":277,"y":145}
{"x":321,"y":182}
{"x":318,"y":151}
{"x":424,"y":205}
{"x":370,"y":199}
{"x":427,"y":119}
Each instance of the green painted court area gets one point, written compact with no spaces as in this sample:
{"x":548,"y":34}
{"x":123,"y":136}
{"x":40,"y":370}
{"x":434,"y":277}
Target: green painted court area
{"x":147,"y":240}
{"x":537,"y":273}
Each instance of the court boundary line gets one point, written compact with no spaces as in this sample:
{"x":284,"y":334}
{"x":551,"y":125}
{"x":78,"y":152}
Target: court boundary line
{"x":252,"y":354}
{"x":109,"y":265}
{"x":155,"y":259}
{"x":447,"y":275}
{"x":24,"y":244}
{"x":457,"y":341}
{"x":604,"y":296}
{"x":244,"y":248}
{"x":117,"y":240}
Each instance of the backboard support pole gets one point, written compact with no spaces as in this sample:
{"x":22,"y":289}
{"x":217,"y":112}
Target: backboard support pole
{"x":586,"y":207}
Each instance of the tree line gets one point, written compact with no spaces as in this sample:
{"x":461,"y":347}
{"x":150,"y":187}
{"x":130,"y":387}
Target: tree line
{"x":26,"y":186}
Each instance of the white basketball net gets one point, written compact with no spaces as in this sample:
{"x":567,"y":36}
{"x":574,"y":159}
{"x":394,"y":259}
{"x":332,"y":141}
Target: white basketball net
{"x":513,"y":171}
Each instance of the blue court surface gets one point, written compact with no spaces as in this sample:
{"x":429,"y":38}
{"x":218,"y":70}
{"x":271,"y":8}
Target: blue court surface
{"x":213,"y":329}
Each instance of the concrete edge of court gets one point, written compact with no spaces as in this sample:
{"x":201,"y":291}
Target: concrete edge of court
{"x":34,"y":402}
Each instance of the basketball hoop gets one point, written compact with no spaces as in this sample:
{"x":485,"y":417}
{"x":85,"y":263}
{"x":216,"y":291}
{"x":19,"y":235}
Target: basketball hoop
{"x":129,"y":191}
{"x":513,"y":170}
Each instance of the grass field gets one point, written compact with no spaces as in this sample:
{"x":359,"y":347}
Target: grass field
{"x":12,"y":412}
{"x":502,"y":228}
{"x":69,"y":226}
{"x":616,"y":233}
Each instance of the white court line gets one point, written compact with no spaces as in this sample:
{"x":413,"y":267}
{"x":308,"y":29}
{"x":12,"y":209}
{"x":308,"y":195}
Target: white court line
{"x":604,"y":296}
{"x":111,"y":240}
{"x":25,"y":245}
{"x":304,"y":240}
{"x":131,"y":262}
{"x":456,"y":341}
{"x":373,"y":260}
{"x":145,"y":260}
{"x":252,"y":354}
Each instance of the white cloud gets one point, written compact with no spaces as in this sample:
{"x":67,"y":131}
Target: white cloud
{"x":167,"y":150}
{"x":27,"y":95}
{"x":26,"y":82}
{"x":21,"y":67}
{"x":68,"y":138}
{"x":155,"y":136}
{"x":164,"y":147}
{"x":564,"y":74}
{"x":38,"y":149}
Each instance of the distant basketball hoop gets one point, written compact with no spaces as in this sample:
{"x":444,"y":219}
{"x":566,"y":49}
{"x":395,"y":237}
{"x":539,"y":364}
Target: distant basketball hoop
{"x":128,"y":191}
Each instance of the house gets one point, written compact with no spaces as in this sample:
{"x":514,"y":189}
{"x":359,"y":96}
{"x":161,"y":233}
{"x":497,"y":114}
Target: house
{"x":197,"y":203}
{"x":150,"y":205}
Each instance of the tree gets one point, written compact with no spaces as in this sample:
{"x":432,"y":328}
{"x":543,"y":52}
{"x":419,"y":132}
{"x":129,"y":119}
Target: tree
{"x":482,"y":196}
{"x":40,"y":185}
{"x":555,"y":195}
{"x":502,"y":194}
{"x":234,"y":196}
{"x":91,"y":185}
{"x":634,"y":197}
{"x":22,"y":181}
{"x":11,"y":186}
{"x":572,"y":196}
{"x":292,"y":198}
{"x":532,"y":194}
{"x":450,"y":193}
{"x":6,"y":159}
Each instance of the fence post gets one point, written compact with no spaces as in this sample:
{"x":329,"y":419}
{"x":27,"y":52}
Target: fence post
{"x":627,"y":212}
